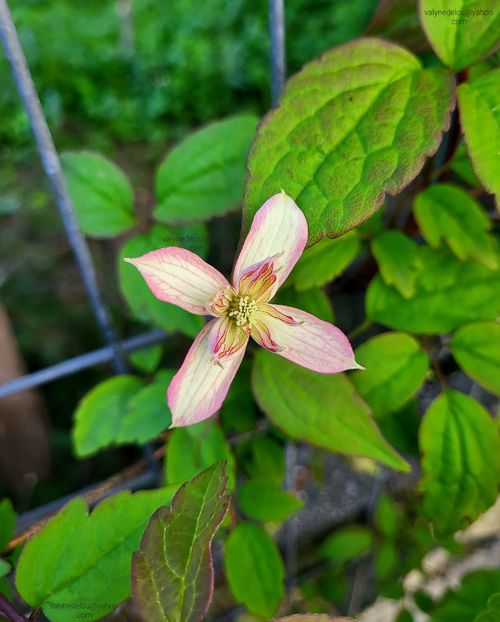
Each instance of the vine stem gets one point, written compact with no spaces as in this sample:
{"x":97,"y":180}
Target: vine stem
{"x":8,"y":610}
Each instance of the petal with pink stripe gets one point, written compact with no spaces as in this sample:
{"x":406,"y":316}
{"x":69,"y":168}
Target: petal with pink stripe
{"x":200,"y":386}
{"x":181,"y":277}
{"x":279,"y":232}
{"x":307,"y":341}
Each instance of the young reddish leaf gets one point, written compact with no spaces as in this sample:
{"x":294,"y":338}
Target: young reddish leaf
{"x":461,"y":32}
{"x":172,"y":571}
{"x":351,"y":127}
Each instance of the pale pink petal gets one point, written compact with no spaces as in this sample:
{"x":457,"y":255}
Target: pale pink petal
{"x":278,"y":231}
{"x":200,"y":386}
{"x":309,"y":341}
{"x":179,"y":276}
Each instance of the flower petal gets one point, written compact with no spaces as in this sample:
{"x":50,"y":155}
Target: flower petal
{"x":278,"y":231}
{"x":199,"y":387}
{"x":309,"y":341}
{"x":181,"y":277}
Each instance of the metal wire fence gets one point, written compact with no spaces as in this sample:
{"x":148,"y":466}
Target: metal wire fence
{"x":115,"y":349}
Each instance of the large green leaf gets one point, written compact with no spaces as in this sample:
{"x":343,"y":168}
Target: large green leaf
{"x":446,"y":212}
{"x":395,"y":370}
{"x":120,"y":411}
{"x":321,"y":409}
{"x":79,"y":565}
{"x":460,"y":31}
{"x":7,"y":522}
{"x":192,"y":449}
{"x":263,"y":500}
{"x":479,"y":104}
{"x":398,"y":261}
{"x":173,"y":574}
{"x":461,"y":461}
{"x":448,"y":293}
{"x":254,"y":569}
{"x":351,"y":127}
{"x":101,"y":194}
{"x":203,"y":176}
{"x":141,"y":301}
{"x":324,"y":261}
{"x":476,"y":348}
{"x":462,"y":603}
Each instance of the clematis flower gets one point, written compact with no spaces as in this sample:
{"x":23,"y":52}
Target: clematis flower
{"x":241,"y":311}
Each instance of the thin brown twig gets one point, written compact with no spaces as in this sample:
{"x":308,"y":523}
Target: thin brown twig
{"x":91,"y":497}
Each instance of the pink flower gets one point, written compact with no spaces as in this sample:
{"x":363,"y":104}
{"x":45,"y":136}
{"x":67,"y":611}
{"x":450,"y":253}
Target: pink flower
{"x":273,"y":246}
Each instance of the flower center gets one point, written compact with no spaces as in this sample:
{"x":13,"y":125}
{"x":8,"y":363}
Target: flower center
{"x":242,"y":310}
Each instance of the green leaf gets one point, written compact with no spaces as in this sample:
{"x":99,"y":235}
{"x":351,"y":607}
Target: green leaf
{"x":254,"y":569}
{"x":313,"y":618}
{"x":148,"y":359}
{"x":401,"y":429}
{"x":398,"y":261}
{"x":313,"y":301}
{"x":448,"y":293}
{"x":479,"y":105}
{"x":462,"y":604}
{"x":101,"y":193}
{"x":4,"y":568}
{"x":173,"y":573}
{"x":346,"y":544}
{"x":325,"y":145}
{"x":267,"y":459}
{"x":386,"y":517}
{"x":262,"y":500}
{"x":203,"y":176}
{"x":147,"y":413}
{"x":461,"y":461}
{"x":7,"y":522}
{"x":192,"y":449}
{"x":324,"y":261}
{"x":462,"y":166}
{"x":395,"y":370}
{"x":81,"y":561}
{"x":321,"y":409}
{"x":404,"y":616}
{"x":386,"y":560}
{"x":120,"y":411}
{"x":463,"y":38}
{"x":141,"y":301}
{"x":447,"y":213}
{"x":476,"y":347}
